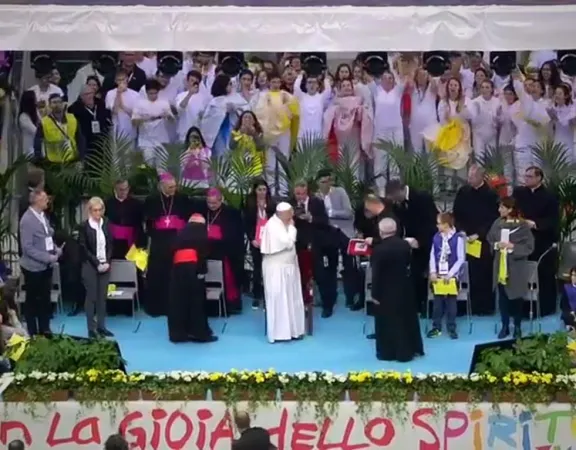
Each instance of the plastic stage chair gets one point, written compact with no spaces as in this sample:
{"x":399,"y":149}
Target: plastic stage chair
{"x":215,"y":290}
{"x":124,"y":275}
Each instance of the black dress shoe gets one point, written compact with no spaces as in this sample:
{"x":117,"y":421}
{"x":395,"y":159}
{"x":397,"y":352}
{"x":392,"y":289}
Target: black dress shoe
{"x":255,"y":304}
{"x":357,"y":306}
{"x":105,"y":332}
{"x":93,"y":335}
{"x":203,"y":340}
{"x":504,"y":332}
{"x":371,"y":336}
{"x":77,"y":310}
{"x":326,"y":313}
{"x":517,"y":332}
{"x":179,"y":339}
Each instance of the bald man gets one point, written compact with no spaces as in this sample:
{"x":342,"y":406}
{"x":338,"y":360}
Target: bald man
{"x":251,"y":438}
{"x":187,"y":318}
{"x":397,"y":327}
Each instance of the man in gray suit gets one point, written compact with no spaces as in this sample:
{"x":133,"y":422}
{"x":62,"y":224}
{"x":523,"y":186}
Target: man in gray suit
{"x":341,"y":218}
{"x":39,"y":254}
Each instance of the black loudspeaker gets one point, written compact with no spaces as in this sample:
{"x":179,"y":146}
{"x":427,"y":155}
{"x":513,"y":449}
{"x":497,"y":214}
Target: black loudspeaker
{"x":169,"y":63}
{"x":436,"y":63}
{"x":503,"y":63}
{"x":231,"y":63}
{"x":375,"y":63}
{"x":313,"y":63}
{"x":105,"y":62}
{"x":42,"y":63}
{"x":567,"y":62}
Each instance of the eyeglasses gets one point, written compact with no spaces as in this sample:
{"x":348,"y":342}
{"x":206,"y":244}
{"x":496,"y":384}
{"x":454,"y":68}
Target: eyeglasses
{"x":96,"y":209}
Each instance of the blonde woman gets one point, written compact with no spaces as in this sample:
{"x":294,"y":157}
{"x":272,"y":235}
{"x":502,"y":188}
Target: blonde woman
{"x":96,"y":251}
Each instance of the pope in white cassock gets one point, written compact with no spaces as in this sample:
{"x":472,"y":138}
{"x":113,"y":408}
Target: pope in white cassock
{"x":285,"y":316}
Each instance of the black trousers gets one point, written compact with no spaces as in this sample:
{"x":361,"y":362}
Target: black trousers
{"x":548,"y":289}
{"x":38,"y":307}
{"x":482,"y":297}
{"x":257,"y":287}
{"x":350,"y":274}
{"x":509,"y":307}
{"x":325,"y":267}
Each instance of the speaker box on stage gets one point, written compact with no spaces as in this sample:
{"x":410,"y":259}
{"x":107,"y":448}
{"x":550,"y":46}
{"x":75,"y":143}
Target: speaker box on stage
{"x":43,"y":63}
{"x":231,"y":63}
{"x":169,"y":63}
{"x":567,"y":62}
{"x":503,"y":63}
{"x":314,"y":63}
{"x":375,"y":63}
{"x":105,"y":62}
{"x":436,"y":63}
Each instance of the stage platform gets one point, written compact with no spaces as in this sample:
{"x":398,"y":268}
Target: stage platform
{"x":338,"y":345}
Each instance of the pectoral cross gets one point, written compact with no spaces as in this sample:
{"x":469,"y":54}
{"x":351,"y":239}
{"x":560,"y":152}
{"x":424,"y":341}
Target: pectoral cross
{"x":167,"y":221}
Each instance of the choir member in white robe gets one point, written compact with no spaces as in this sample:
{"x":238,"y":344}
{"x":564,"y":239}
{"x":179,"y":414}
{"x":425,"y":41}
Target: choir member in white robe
{"x":483,"y":117}
{"x":190,"y":105}
{"x":312,"y":106}
{"x":285,"y":315}
{"x":120,"y":102}
{"x":563,"y":116}
{"x":424,"y":96}
{"x":507,"y":115}
{"x":532,"y":124}
{"x":388,"y":124}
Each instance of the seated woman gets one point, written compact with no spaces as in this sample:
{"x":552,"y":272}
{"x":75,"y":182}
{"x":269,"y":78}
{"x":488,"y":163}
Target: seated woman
{"x":568,"y":302}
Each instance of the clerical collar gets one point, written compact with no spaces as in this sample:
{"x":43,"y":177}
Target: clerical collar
{"x":120,"y":199}
{"x":481,"y":185}
{"x":536,"y":188}
{"x":407,"y":196}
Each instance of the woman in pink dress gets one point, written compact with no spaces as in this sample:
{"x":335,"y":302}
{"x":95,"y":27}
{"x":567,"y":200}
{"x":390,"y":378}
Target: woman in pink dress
{"x":196,"y":160}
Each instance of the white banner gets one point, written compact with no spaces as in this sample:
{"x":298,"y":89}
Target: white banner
{"x":206,"y":425}
{"x":296,"y":29}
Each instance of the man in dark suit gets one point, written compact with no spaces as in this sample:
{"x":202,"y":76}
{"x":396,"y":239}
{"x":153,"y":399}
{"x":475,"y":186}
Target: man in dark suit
{"x":417,"y":213}
{"x":251,"y":438}
{"x":314,"y":235}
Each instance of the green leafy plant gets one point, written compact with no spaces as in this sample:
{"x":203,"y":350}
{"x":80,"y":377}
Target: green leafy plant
{"x":64,"y":354}
{"x":495,"y":159}
{"x":555,"y":161}
{"x":346,"y":168}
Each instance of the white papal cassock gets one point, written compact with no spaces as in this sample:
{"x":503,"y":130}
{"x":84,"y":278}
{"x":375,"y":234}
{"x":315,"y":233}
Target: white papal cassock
{"x":285,"y":315}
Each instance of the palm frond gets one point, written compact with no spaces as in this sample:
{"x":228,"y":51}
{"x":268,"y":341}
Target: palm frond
{"x":419,"y":170}
{"x":495,"y":159}
{"x":346,"y":169}
{"x":310,"y":156}
{"x":170,"y":158}
{"x":555,"y":161}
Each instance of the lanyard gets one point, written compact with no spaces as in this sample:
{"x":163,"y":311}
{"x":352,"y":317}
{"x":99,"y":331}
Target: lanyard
{"x":62,"y":127}
{"x":42,"y":218}
{"x":92,"y":113}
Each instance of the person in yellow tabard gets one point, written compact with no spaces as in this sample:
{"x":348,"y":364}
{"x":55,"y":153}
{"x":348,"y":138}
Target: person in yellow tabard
{"x":58,"y":138}
{"x":278,"y":113}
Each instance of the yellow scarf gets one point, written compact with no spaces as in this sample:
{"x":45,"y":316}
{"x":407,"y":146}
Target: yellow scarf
{"x":503,"y":267}
{"x":246,"y":144}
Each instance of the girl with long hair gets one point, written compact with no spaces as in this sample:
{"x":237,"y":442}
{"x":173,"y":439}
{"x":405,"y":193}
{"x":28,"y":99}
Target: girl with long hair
{"x":424,"y":95}
{"x":549,"y":76}
{"x":512,"y":242}
{"x":563,"y":116}
{"x":258,"y":208}
{"x":484,"y":109}
{"x":28,"y":121}
{"x":196,"y":159}
{"x":247,"y":137}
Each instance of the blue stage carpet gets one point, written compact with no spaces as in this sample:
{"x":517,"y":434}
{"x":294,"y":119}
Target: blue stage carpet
{"x":338,"y":345}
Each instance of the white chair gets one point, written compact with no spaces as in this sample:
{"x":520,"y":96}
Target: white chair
{"x":462,"y":296}
{"x":215,"y":289}
{"x":124,"y":275}
{"x":533,"y":295}
{"x":55,"y":292}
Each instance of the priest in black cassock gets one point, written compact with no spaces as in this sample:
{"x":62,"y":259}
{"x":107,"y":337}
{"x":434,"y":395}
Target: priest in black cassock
{"x":417,"y":212}
{"x":187,"y":318}
{"x":475,"y":210}
{"x":396,"y":321}
{"x":226,"y":244}
{"x":165,"y":212}
{"x":126,"y":220}
{"x":541,"y":209}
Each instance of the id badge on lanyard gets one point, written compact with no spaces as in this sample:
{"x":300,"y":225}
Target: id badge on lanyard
{"x":95,"y":125}
{"x":443,"y":267}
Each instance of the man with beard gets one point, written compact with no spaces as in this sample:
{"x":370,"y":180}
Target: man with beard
{"x":187,"y":319}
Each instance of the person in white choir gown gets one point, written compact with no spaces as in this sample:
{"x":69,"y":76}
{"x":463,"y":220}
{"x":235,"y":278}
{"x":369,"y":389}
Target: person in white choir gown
{"x":563,"y":116}
{"x":484,"y":109}
{"x":506,"y":118}
{"x":120,"y":102}
{"x":191,"y":105}
{"x":313,"y":102}
{"x":285,"y":315}
{"x":424,"y":95}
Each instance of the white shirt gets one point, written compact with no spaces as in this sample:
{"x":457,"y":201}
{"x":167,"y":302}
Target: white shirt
{"x":169,"y":93}
{"x":387,"y":108}
{"x":42,"y":218}
{"x":100,"y":239}
{"x":45,"y":95}
{"x":123,"y":119}
{"x":449,"y":272}
{"x":190,"y":115}
{"x":449,"y":108}
{"x":152,"y":133}
{"x":149,"y":66}
{"x":484,"y":116}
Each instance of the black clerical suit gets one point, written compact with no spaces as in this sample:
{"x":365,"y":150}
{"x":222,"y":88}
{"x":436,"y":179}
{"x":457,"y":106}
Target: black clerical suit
{"x":397,"y":327}
{"x":254,"y":438}
{"x":417,"y":214}
{"x":541,"y":206}
{"x":475,"y":210}
{"x":317,"y":235}
{"x":187,"y":317}
{"x":93,"y":122}
{"x":250,"y":215}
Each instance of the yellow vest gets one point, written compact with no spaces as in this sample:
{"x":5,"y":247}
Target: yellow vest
{"x":60,"y":139}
